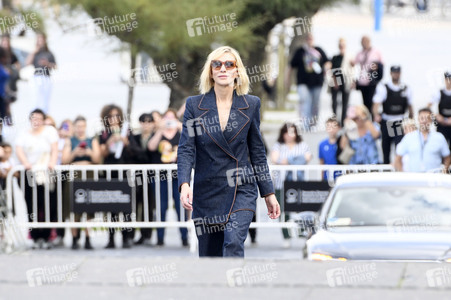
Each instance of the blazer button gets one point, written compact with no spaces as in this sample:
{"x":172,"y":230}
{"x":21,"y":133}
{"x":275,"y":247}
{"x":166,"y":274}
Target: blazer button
{"x":242,"y":141}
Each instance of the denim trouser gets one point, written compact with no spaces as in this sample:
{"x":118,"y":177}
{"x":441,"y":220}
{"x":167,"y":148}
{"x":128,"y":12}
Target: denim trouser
{"x":309,"y":102}
{"x":228,"y":240}
{"x":296,"y":160}
{"x":164,"y":207}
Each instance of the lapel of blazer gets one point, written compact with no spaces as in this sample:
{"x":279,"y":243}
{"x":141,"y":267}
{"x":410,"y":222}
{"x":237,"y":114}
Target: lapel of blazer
{"x":210,"y":120}
{"x":237,"y":119}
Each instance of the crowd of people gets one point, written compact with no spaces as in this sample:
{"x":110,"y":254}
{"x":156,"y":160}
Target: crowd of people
{"x":46,"y":145}
{"x":386,"y":112}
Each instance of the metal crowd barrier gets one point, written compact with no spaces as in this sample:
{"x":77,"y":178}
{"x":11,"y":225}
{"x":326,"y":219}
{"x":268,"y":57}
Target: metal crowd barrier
{"x":311,"y":172}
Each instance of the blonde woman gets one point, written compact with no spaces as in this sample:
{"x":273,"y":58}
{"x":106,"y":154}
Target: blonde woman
{"x":221,"y":140}
{"x":361,"y":135}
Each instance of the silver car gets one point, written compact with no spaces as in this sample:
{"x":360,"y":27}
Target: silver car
{"x":384,"y":216}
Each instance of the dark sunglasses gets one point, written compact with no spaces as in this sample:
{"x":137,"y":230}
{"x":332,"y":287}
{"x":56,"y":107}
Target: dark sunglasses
{"x":228,"y":64}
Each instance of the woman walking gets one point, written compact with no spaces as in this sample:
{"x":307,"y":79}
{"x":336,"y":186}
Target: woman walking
{"x":221,"y":140}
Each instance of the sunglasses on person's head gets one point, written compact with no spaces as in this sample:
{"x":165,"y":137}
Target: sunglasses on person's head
{"x":228,"y":64}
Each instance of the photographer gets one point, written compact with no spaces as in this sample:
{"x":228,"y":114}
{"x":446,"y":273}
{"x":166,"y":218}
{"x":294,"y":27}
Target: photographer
{"x":360,"y":137}
{"x":165,"y":141}
{"x":81,"y":150}
{"x":111,"y":139}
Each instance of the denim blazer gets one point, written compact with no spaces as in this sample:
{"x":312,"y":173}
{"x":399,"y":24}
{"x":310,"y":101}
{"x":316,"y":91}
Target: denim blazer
{"x":228,"y":165}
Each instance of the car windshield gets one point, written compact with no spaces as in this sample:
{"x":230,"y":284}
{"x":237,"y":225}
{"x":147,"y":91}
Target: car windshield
{"x":391,"y":206}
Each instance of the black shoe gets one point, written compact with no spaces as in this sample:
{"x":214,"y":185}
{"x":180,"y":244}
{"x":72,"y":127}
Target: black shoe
{"x":110,"y":245}
{"x":140,"y":241}
{"x":160,"y":243}
{"x":127,"y":244}
{"x":185,"y":243}
{"x":88,"y":245}
{"x":75,"y":245}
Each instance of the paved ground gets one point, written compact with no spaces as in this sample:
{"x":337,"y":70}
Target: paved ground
{"x":83,"y":276}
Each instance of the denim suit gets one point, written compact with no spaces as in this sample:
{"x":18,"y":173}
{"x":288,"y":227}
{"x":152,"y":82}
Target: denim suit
{"x":228,"y":165}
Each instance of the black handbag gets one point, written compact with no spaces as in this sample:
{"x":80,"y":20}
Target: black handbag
{"x":378,"y":74}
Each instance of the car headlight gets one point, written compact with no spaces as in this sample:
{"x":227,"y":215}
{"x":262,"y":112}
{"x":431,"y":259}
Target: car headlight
{"x":324,"y":257}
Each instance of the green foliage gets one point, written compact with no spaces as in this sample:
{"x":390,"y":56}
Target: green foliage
{"x":162,"y":29}
{"x":21,"y":19}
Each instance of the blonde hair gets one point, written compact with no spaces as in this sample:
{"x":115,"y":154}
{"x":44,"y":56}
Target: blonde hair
{"x":206,"y":81}
{"x":364,"y":109}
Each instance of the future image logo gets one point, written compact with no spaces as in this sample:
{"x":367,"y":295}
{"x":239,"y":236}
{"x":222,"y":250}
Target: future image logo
{"x":111,"y":25}
{"x":208,"y":25}
{"x":51,"y":275}
{"x":249,"y":275}
{"x":141,"y":276}
{"x":351,"y":275}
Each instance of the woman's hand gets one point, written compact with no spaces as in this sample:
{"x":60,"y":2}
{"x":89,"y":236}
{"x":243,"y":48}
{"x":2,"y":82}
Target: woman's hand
{"x":124,"y":140}
{"x":273,"y":206}
{"x":88,"y":152}
{"x":113,"y":139}
{"x":78,"y":151}
{"x":186,"y":196}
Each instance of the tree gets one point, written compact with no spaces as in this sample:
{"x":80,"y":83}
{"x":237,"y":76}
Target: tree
{"x":163,"y":31}
{"x":18,"y":20}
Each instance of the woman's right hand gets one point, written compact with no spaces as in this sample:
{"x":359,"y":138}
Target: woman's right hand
{"x":186,"y":196}
{"x":113,"y":139}
{"x":78,"y":151}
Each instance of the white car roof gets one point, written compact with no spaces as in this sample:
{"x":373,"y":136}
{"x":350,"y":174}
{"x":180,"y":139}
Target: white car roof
{"x":390,"y":178}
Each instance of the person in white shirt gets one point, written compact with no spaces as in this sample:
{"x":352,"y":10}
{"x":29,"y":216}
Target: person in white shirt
{"x":38,"y":147}
{"x":396,"y":100}
{"x":427,"y":149}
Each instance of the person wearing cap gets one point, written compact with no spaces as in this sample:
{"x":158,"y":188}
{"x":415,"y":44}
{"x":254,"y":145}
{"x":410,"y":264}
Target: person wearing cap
{"x":396,"y":99}
{"x":442,"y":98}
